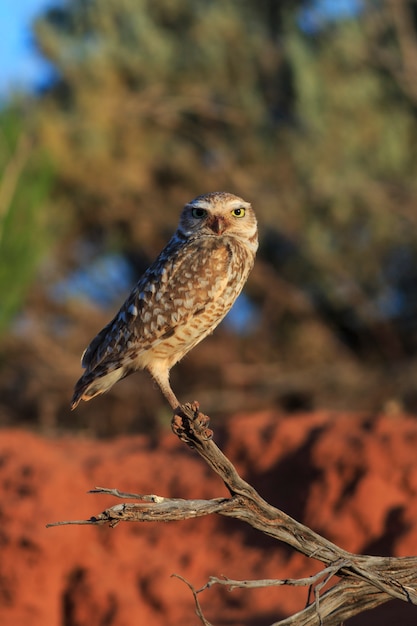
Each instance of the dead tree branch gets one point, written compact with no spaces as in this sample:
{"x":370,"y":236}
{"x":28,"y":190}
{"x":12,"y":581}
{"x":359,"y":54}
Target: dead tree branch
{"x":365,"y":581}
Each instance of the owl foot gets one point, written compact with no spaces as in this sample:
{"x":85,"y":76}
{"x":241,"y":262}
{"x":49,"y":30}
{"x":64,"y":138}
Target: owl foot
{"x":189,"y":424}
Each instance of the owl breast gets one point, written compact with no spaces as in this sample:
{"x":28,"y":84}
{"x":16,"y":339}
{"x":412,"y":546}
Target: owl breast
{"x":196,"y":289}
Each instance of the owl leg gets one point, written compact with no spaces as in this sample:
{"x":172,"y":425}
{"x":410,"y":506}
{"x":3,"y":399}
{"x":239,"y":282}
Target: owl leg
{"x":161,"y":377}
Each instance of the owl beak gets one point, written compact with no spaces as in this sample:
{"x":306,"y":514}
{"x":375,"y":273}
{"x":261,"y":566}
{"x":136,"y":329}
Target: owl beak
{"x":217,"y":224}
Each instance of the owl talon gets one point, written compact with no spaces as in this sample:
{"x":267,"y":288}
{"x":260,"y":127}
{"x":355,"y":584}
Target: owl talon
{"x":202,"y":420}
{"x":195,"y":406}
{"x":188,"y":424}
{"x":207,"y":434}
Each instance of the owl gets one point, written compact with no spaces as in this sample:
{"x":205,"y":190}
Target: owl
{"x":179,"y":300}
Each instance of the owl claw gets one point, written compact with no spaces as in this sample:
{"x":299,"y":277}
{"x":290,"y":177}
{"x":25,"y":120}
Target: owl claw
{"x":189,"y":424}
{"x":196,"y":406}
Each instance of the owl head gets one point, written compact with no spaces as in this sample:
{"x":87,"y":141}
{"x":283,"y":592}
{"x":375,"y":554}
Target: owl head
{"x":219,"y":214}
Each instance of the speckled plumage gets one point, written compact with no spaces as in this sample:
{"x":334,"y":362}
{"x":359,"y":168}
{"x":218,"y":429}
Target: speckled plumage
{"x":179,"y":300}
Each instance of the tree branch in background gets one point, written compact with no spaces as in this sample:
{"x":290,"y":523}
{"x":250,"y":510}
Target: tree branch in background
{"x":402,"y":62}
{"x":11,"y":175}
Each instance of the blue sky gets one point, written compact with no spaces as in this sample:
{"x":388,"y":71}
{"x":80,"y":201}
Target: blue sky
{"x":22,"y":67}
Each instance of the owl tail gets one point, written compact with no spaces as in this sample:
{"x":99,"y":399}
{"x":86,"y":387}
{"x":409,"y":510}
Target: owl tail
{"x":90,"y":385}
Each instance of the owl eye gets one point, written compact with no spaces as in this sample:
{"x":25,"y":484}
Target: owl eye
{"x":198,"y":213}
{"x":238,"y":212}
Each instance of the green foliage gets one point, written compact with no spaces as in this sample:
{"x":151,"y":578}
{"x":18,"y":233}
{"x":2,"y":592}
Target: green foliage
{"x":174,"y":98}
{"x":355,"y":153}
{"x":24,"y":184}
{"x":156,"y":98}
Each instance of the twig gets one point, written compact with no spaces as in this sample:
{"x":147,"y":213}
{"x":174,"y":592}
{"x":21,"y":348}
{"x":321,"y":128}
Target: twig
{"x":131,"y":496}
{"x":318,"y":581}
{"x":309,"y":581}
{"x":194,"y":591}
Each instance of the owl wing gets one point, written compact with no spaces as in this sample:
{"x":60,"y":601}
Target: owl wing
{"x":177,"y":286}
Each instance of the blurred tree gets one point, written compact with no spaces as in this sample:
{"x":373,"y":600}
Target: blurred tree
{"x":355,"y":156}
{"x":174,"y":97}
{"x":24,"y":186}
{"x":313,"y":120}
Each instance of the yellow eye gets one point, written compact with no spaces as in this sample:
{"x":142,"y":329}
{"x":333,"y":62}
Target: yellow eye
{"x":198,"y":213}
{"x":240,"y":212}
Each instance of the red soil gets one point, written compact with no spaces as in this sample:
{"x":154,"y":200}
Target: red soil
{"x":351,"y":478}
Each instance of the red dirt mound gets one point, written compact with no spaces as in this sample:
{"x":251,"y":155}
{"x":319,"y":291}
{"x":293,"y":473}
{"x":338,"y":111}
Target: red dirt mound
{"x":351,"y":478}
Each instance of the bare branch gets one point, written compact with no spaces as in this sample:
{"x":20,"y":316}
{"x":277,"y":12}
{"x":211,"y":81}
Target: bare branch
{"x":154,"y":509}
{"x":365,"y":581}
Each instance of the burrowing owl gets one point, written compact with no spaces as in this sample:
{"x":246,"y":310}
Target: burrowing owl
{"x":179,"y":300}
